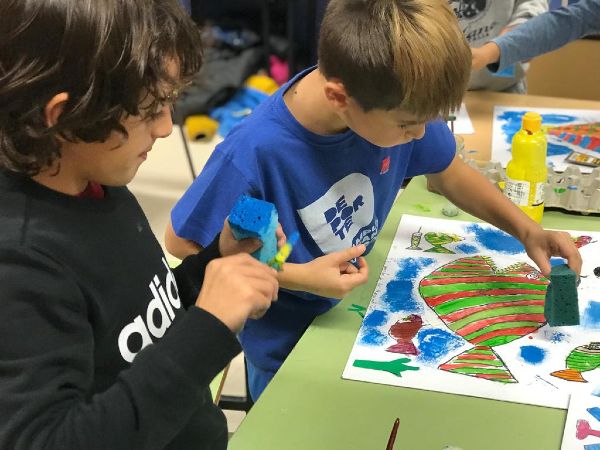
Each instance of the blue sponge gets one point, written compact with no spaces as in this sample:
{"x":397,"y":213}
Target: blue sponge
{"x":253,"y":218}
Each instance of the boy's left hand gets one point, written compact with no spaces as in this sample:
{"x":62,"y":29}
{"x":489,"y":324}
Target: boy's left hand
{"x":542,"y":244}
{"x":228,"y":245}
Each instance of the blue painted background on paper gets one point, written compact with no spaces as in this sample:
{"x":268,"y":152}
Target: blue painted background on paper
{"x":373,"y":320}
{"x":398,"y":295}
{"x":435,"y":344}
{"x":496,"y":240}
{"x":591,"y":315}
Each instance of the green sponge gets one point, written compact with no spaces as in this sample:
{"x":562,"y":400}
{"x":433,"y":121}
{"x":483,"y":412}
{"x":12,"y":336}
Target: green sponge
{"x":561,"y":307}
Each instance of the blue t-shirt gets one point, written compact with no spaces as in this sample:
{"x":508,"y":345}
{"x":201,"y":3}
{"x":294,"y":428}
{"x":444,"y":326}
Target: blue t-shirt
{"x":335,"y":190}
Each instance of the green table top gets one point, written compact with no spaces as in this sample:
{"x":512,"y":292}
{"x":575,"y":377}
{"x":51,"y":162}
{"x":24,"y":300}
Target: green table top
{"x":309,"y":406}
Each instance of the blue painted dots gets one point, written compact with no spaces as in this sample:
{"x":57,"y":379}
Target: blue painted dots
{"x":591,"y":315}
{"x":557,"y":337}
{"x":532,"y":354}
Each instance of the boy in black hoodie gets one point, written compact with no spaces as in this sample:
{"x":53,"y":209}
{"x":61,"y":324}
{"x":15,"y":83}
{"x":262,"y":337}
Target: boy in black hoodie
{"x":102,"y":345}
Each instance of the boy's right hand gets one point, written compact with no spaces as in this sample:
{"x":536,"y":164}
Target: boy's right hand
{"x":236,"y":288}
{"x":487,"y":54}
{"x":333,"y":276}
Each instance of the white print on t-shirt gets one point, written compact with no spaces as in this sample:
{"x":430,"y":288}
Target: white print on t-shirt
{"x":469,"y":9}
{"x":158,"y":317}
{"x":343,"y":216}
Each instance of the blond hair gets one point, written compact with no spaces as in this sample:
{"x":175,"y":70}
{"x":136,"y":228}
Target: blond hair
{"x":396,"y":54}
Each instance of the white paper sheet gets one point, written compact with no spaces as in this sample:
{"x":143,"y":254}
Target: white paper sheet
{"x":582,"y":428}
{"x":462,"y":124}
{"x":488,"y":319}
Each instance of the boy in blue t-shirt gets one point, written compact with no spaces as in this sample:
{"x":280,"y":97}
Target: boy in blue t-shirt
{"x":331,"y":149}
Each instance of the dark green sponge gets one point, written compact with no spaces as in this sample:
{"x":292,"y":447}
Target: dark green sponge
{"x":561,"y":307}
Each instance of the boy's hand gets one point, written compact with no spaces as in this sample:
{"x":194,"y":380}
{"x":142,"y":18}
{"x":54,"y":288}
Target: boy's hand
{"x":228,"y":245}
{"x":473,"y":193}
{"x":281,"y":237}
{"x":333,"y":276}
{"x":236,"y":288}
{"x":542,"y":244}
{"x":487,"y":54}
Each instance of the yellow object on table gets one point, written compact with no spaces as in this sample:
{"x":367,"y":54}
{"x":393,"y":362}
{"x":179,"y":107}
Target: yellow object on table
{"x":527,"y":173}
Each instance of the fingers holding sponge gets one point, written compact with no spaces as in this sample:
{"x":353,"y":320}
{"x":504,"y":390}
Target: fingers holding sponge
{"x":254,"y":218}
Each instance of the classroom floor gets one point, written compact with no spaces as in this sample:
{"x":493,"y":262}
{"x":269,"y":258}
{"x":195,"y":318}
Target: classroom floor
{"x":160,"y":182}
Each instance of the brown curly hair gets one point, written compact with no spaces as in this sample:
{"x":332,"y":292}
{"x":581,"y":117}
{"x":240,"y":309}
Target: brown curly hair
{"x":108,"y":55}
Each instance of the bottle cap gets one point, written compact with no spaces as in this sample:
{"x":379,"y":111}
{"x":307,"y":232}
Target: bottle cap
{"x":532,"y":122}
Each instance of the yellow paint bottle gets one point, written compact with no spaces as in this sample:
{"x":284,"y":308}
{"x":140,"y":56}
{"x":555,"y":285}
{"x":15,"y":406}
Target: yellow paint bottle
{"x":527,"y":173}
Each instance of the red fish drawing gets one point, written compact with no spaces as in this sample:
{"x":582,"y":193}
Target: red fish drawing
{"x":404,"y":332}
{"x":488,"y":307}
{"x":581,"y":241}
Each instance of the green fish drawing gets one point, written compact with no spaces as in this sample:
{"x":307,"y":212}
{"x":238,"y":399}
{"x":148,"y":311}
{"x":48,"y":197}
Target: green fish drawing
{"x":581,"y":359}
{"x":438,"y":240}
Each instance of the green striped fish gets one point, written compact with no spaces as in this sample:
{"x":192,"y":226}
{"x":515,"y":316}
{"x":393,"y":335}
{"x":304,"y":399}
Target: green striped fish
{"x":581,"y":359}
{"x":486,"y":306}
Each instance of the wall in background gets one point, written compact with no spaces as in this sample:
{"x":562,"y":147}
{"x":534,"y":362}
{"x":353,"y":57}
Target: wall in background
{"x":571,"y":71}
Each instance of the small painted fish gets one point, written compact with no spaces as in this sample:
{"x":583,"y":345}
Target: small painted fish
{"x":581,"y":241}
{"x":581,"y":359}
{"x":438,"y":240}
{"x":404,"y":332}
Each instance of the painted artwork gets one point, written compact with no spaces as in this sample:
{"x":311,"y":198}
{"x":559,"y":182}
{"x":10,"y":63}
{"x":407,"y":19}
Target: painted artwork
{"x":582,"y":428}
{"x":459,"y":308}
{"x":566,"y":131}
